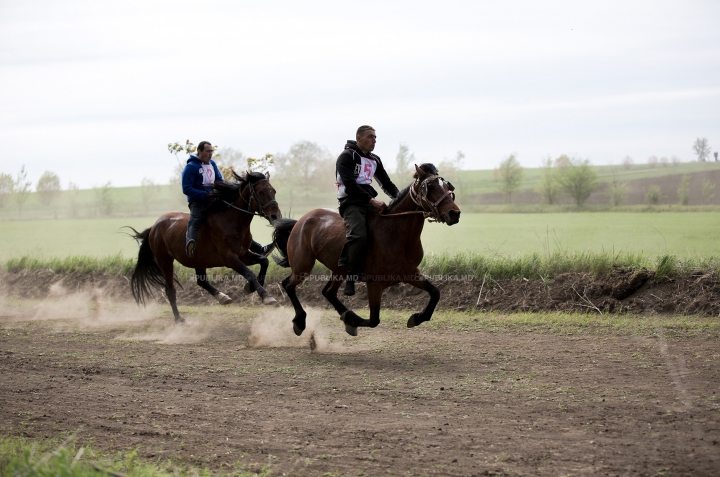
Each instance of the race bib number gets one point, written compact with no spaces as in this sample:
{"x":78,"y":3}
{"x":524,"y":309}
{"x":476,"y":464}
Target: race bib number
{"x":208,"y":173}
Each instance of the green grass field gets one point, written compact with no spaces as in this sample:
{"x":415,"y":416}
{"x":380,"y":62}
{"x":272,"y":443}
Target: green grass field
{"x":677,"y":233}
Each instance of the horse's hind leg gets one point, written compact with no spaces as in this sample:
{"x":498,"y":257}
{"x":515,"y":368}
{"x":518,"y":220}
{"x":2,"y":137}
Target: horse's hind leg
{"x":290,"y":284}
{"x":251,"y":258}
{"x":434,"y":292}
{"x":351,"y":320}
{"x":166,"y":265}
{"x":202,"y":279}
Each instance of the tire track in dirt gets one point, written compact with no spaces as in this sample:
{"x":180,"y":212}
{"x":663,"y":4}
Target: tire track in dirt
{"x":677,"y":368}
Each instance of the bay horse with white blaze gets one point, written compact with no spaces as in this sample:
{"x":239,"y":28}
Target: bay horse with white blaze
{"x":393,"y":255}
{"x":224,"y":241}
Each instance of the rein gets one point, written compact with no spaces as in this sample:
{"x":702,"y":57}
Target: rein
{"x":253,"y":196}
{"x":433,"y":214}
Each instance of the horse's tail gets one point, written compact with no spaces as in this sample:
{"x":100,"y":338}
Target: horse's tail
{"x":147,"y":273}
{"x":283,"y":227}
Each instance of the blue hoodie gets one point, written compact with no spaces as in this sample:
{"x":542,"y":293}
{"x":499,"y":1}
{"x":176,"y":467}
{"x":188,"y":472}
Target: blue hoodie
{"x":192,"y":179}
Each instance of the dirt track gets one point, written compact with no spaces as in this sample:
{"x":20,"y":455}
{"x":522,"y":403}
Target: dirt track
{"x":236,"y":385}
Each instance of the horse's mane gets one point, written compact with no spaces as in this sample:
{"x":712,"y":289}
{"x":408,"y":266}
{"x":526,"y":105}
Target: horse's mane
{"x":427,"y":168}
{"x":229,"y":191}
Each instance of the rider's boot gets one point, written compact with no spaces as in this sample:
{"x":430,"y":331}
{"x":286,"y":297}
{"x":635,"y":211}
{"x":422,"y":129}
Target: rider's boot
{"x":191,"y":240}
{"x":263,"y":250}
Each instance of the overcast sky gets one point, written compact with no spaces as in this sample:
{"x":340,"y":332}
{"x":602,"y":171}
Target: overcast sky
{"x":94,"y":91}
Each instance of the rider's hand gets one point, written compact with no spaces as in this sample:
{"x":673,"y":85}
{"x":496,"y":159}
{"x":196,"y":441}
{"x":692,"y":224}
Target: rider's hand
{"x":378,"y":204}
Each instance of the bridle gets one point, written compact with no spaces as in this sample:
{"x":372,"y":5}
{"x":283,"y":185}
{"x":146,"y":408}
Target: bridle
{"x":419,"y":197}
{"x":253,"y":197}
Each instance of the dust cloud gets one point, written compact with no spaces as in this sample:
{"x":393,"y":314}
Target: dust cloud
{"x":273,"y":329}
{"x":90,"y":309}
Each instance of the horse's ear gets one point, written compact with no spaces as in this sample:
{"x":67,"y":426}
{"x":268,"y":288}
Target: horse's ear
{"x":418,"y":172}
{"x":267,"y":175}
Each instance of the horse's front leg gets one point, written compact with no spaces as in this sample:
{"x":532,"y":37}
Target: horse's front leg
{"x":234,"y":262}
{"x":349,"y":317}
{"x":421,"y":282}
{"x":251,"y":258}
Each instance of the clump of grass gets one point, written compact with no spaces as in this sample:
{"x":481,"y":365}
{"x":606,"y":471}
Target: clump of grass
{"x":116,"y":264}
{"x":19,"y":456}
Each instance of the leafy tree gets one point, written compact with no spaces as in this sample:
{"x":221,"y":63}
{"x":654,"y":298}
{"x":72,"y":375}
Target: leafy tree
{"x":577,"y":179}
{"x":451,"y":170}
{"x":104,"y":202}
{"x":72,"y":194}
{"x":21,"y":189}
{"x":627,"y":162}
{"x":652,"y":161}
{"x":708,"y":191}
{"x":617,"y":190}
{"x":404,"y":161}
{"x":6,"y":187}
{"x":702,"y":149}
{"x":306,"y":165}
{"x":48,"y":187}
{"x":675,"y":160}
{"x":549,"y":188}
{"x":177,"y":148}
{"x":509,"y":175}
{"x":653,"y":195}
{"x":684,"y":190}
{"x":148,"y":190}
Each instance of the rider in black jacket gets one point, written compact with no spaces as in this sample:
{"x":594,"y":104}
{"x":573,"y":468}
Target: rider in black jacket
{"x":355,"y":169}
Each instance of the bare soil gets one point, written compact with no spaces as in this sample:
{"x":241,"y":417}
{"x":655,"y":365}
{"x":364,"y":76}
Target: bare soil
{"x":235,"y":385}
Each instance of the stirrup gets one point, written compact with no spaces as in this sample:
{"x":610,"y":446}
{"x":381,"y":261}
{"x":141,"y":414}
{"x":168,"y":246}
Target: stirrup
{"x":190,"y":248}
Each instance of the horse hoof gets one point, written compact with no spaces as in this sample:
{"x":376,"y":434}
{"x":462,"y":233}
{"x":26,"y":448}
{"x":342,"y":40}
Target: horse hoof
{"x":297,"y":330}
{"x":351,"y":330}
{"x":268,"y":300}
{"x":412,"y":323}
{"x":223,"y":299}
{"x":248,"y":288}
{"x":179,"y":320}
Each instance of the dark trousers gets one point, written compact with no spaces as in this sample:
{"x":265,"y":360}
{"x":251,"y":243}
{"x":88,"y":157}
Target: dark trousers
{"x":356,"y":233}
{"x":197,"y":218}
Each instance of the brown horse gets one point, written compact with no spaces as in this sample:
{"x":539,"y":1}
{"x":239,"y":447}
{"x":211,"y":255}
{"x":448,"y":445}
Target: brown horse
{"x":393,"y":255}
{"x":224,"y":241}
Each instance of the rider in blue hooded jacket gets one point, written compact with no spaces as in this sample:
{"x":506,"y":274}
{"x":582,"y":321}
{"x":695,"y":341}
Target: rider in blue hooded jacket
{"x":199,"y":175}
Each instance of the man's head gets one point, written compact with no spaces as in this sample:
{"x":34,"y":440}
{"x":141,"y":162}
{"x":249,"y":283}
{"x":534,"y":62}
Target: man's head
{"x":205,"y":151}
{"x":365,"y":137}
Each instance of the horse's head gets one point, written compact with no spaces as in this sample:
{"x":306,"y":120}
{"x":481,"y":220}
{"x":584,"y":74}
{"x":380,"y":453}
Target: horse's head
{"x":259,"y":195}
{"x":434,"y":194}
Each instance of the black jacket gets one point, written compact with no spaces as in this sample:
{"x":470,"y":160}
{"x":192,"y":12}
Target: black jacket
{"x":347,"y":170}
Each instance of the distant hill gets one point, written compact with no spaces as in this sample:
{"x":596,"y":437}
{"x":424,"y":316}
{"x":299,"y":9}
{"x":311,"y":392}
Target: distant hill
{"x":474,"y":188}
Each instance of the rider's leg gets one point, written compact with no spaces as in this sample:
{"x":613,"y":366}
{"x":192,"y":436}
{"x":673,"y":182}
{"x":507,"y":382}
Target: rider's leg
{"x":353,"y":252}
{"x":197,"y":217}
{"x":263,"y":250}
